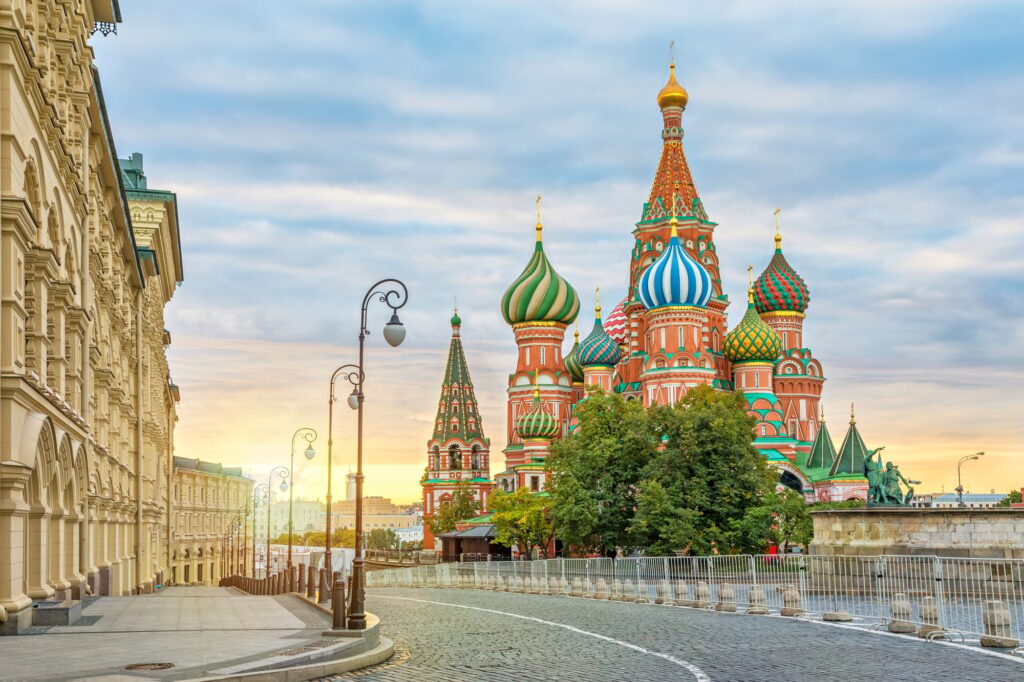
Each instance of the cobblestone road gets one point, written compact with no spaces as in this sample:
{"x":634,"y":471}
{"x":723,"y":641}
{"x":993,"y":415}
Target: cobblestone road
{"x":639,"y":642}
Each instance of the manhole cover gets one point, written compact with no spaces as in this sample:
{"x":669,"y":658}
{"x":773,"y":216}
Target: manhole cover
{"x":149,"y":666}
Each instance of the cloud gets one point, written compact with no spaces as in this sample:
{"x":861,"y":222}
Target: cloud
{"x":320,"y":150}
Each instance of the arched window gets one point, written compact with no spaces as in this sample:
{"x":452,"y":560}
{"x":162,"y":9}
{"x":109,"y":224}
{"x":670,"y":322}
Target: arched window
{"x":475,"y":457}
{"x":454,"y":457}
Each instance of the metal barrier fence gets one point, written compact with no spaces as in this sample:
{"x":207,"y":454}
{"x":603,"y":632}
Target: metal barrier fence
{"x":932,"y":596}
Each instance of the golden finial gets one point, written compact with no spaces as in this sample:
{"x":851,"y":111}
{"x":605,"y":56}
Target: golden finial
{"x":822,"y":405}
{"x":750,"y":285}
{"x":852,"y":419}
{"x":576,"y":332}
{"x":597,"y":302}
{"x":536,"y":385}
{"x":673,"y":222}
{"x":540,"y":226}
{"x":778,"y":230}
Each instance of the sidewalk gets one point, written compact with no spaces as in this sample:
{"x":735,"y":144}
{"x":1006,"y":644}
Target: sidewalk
{"x":200,"y":631}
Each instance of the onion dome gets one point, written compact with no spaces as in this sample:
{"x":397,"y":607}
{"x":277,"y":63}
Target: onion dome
{"x":456,"y":320}
{"x":752,"y":340}
{"x":539,"y":294}
{"x":535,"y":422}
{"x":779,"y":287}
{"x":617,"y":324}
{"x":572,"y":360}
{"x":673,"y":94}
{"x":675,"y":279}
{"x":598,"y":348}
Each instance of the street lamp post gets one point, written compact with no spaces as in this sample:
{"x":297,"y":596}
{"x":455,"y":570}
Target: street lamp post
{"x":282,"y":473}
{"x":260,"y":492}
{"x":959,"y":484}
{"x":387,"y":291}
{"x":352,"y":375}
{"x":309,"y":435}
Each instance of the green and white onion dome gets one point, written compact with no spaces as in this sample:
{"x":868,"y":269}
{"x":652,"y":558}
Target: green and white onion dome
{"x":536,"y":423}
{"x":572,"y":360}
{"x":539,"y":294}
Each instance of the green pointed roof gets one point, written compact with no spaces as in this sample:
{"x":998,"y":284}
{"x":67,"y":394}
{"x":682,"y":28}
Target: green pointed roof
{"x":823,"y":452}
{"x":850,"y":459}
{"x":572,"y":360}
{"x":458,"y":399}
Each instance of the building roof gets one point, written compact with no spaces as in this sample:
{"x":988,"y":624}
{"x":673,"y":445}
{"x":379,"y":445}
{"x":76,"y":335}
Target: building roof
{"x":539,"y":294}
{"x":969,"y":497}
{"x":214,"y":468}
{"x":482,"y":531}
{"x":458,"y":416}
{"x":851,"y":454}
{"x":779,"y":287}
{"x":823,"y":451}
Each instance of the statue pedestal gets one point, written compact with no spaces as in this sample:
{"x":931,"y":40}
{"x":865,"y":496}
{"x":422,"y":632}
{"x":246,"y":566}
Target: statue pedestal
{"x":892,"y":529}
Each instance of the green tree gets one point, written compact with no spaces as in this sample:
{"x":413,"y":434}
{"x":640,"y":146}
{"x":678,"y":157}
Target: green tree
{"x":463,"y":505}
{"x":660,"y":525}
{"x":708,"y":464}
{"x":1014,"y":497}
{"x":782,"y":519}
{"x":521,"y":519}
{"x":382,"y":538}
{"x":595,"y":474}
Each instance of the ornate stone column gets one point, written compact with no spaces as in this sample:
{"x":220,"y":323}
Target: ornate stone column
{"x":14,"y":511}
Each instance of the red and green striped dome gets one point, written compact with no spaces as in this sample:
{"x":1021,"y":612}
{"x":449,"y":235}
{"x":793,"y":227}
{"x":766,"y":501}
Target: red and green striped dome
{"x":779,"y":287}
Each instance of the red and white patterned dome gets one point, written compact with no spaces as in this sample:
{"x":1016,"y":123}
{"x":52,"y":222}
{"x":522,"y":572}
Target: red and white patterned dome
{"x":617,"y":324}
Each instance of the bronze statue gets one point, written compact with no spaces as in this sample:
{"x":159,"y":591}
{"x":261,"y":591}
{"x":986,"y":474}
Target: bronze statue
{"x":891,"y":490}
{"x":873,"y":472}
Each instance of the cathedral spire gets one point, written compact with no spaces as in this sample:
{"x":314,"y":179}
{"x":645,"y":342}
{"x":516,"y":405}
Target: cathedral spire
{"x":457,"y":413}
{"x":823,"y":451}
{"x":850,"y":459}
{"x":673,"y":179}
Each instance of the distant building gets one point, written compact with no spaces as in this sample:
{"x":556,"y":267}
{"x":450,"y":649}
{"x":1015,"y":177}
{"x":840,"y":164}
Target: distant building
{"x":378,"y":512}
{"x":307,"y":515}
{"x":951,"y":500}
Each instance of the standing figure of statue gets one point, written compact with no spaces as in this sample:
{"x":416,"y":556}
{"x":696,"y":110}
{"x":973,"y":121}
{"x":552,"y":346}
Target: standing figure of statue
{"x":873,"y":472}
{"x":891,"y":488}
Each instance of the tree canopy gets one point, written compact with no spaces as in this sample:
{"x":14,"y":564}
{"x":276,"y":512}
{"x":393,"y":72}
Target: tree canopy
{"x":664,"y":479}
{"x":463,"y":505}
{"x":522,"y":519}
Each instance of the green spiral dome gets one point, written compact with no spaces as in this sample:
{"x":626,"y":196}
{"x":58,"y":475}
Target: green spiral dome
{"x":539,"y":294}
{"x":572,"y":361}
{"x":537,"y":423}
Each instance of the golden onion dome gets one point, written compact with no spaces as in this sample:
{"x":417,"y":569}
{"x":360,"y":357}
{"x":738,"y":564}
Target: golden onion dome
{"x":673,"y":94}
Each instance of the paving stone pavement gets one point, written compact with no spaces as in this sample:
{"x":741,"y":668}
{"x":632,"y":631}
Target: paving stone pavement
{"x":197,"y":629}
{"x":441,"y":642}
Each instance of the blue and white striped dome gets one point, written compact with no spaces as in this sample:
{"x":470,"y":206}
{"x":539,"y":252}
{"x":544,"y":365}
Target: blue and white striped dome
{"x":674,"y":279}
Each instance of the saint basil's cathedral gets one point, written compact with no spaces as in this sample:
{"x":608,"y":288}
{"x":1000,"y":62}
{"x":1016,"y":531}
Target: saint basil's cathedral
{"x":669,"y":334}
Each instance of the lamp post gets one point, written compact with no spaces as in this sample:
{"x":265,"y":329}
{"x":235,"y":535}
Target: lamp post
{"x":309,"y":435}
{"x":352,"y":375}
{"x":387,"y":291}
{"x":260,"y":493}
{"x":282,"y":473}
{"x":959,"y":484}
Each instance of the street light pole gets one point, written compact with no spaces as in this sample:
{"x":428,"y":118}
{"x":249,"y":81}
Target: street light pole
{"x":387,"y":292}
{"x":959,"y":484}
{"x":258,"y":493}
{"x":282,"y":473}
{"x":310,"y":437}
{"x":351,"y":373}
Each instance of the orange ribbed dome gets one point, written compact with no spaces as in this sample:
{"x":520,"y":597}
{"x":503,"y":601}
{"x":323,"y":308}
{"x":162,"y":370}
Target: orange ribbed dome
{"x":673,"y":94}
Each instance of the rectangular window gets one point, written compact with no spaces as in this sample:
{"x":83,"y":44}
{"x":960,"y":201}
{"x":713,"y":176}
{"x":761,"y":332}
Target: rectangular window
{"x":543,"y":356}
{"x":534,"y":483}
{"x":681,"y":338}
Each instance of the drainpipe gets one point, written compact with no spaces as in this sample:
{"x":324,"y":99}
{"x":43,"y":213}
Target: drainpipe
{"x":141,"y":404}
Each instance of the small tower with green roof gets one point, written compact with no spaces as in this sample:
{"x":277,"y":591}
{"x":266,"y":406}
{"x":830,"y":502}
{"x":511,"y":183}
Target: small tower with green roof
{"x":458,"y":451}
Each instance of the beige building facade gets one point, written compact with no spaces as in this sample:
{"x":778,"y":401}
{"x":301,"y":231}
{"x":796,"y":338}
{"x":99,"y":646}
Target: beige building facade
{"x":88,"y":262}
{"x":210,"y":533}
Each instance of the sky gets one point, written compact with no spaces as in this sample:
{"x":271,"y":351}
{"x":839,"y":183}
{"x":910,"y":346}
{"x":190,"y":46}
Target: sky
{"x":318,"y":146}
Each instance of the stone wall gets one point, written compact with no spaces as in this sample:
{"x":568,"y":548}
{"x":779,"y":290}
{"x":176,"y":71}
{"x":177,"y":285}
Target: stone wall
{"x":974,"y":533}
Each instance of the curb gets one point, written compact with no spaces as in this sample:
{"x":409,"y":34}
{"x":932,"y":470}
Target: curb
{"x":380,"y":653}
